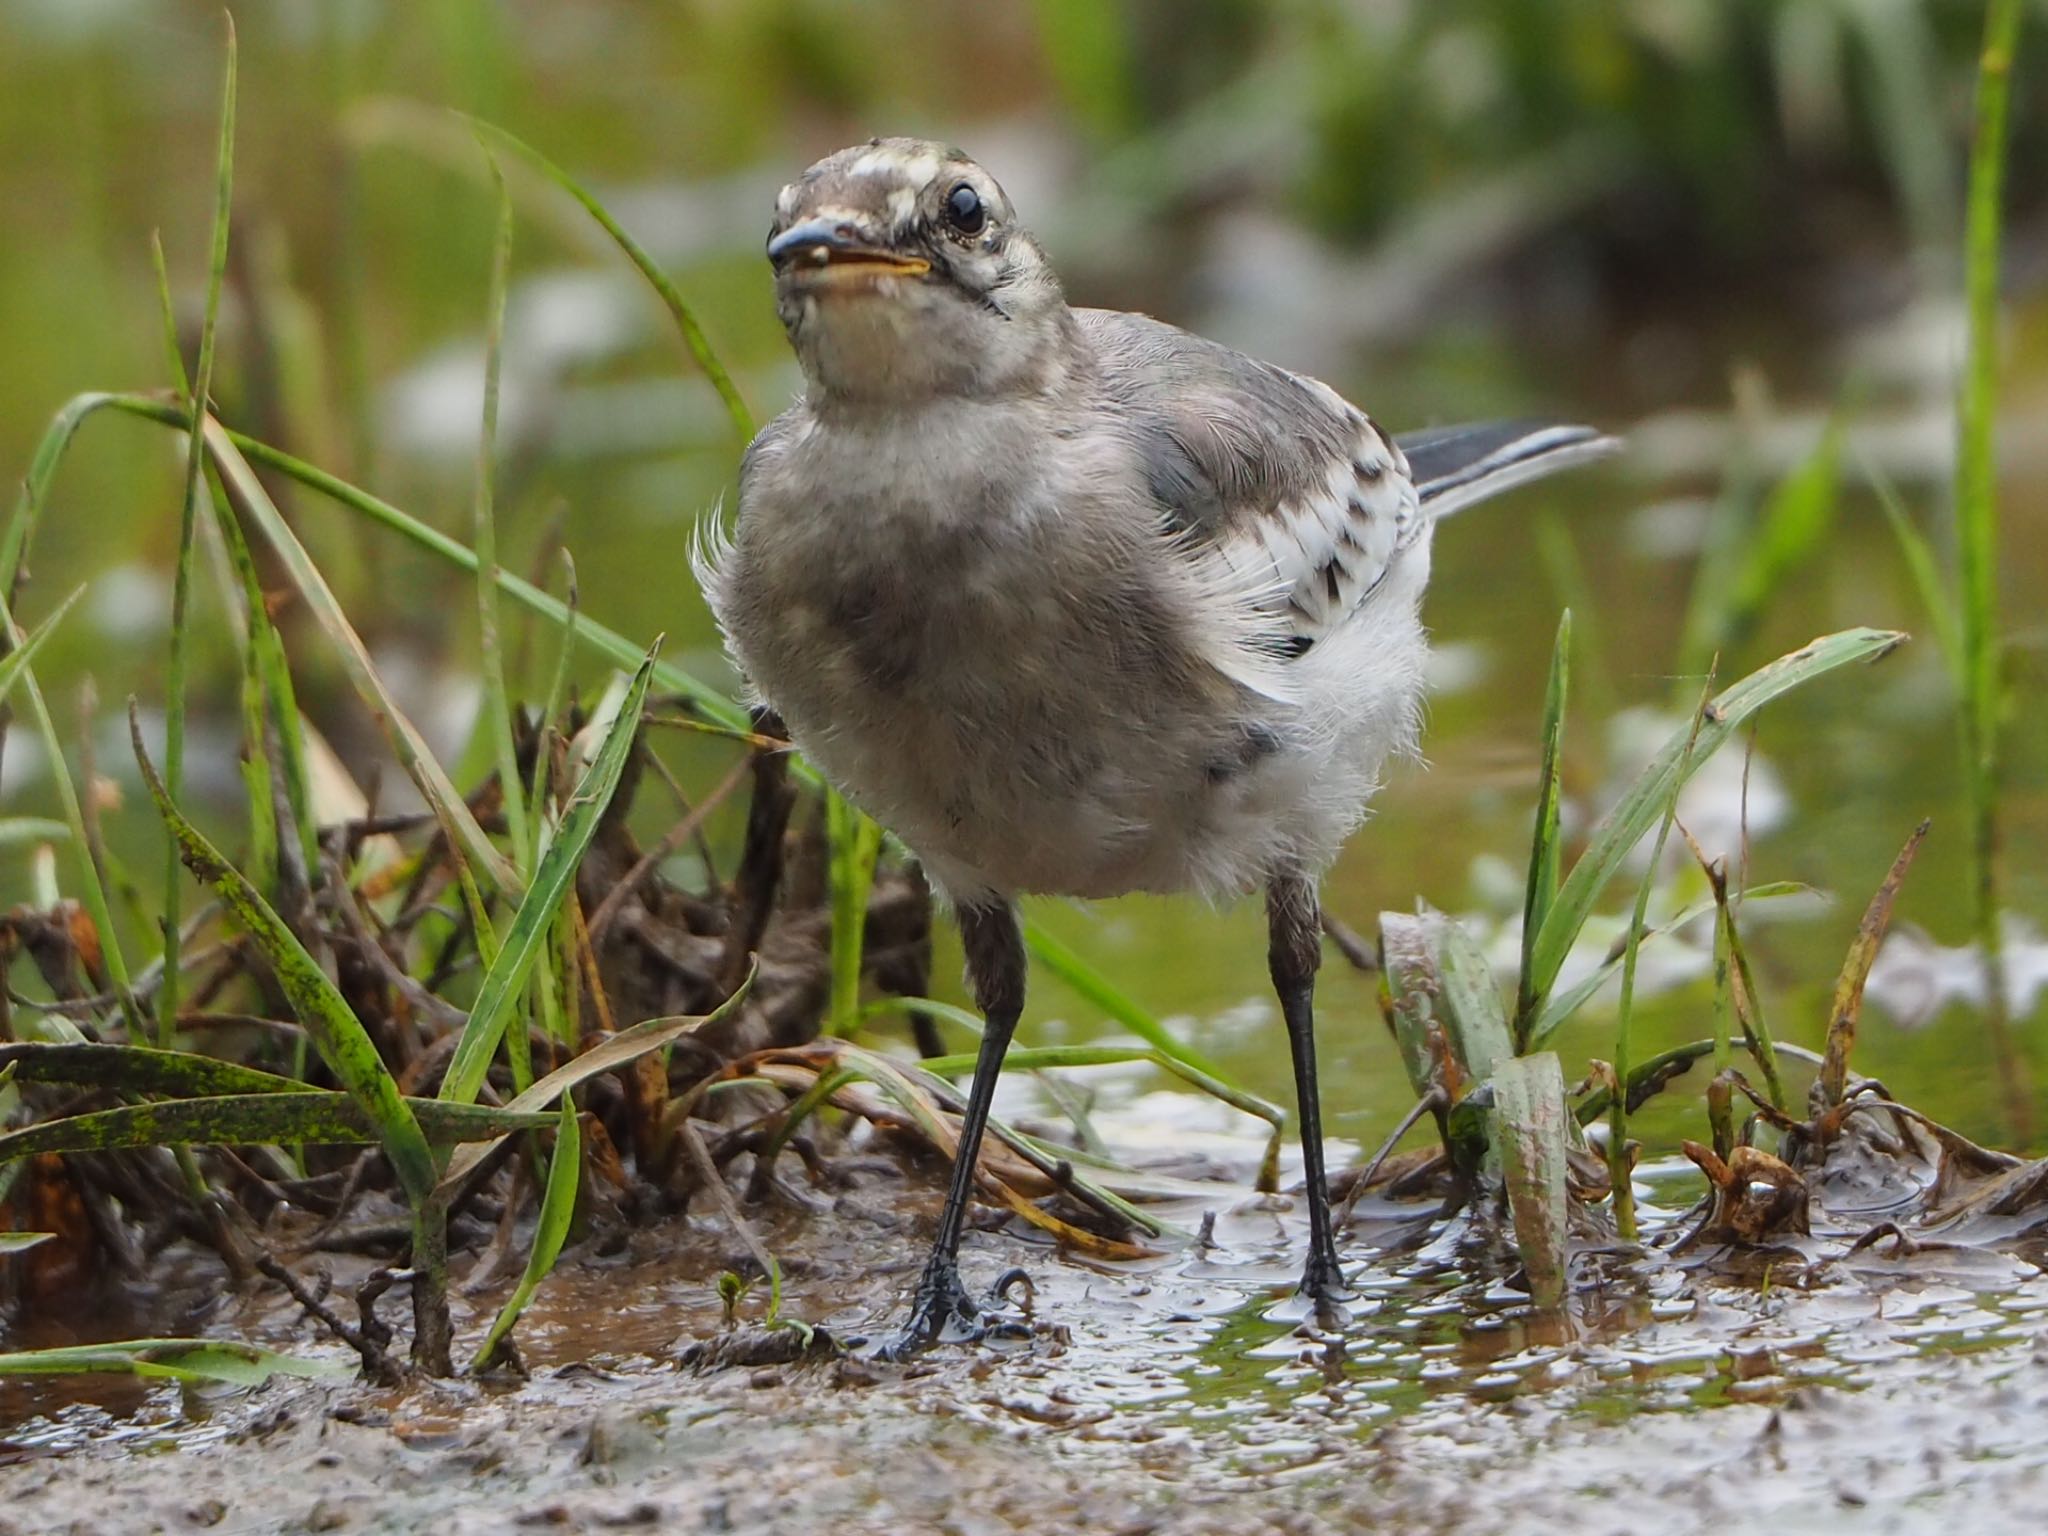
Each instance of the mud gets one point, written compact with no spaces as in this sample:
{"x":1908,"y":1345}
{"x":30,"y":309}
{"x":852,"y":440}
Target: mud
{"x":1884,"y":1390}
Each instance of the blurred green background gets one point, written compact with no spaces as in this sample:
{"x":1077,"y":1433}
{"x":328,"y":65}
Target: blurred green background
{"x":1713,"y":224}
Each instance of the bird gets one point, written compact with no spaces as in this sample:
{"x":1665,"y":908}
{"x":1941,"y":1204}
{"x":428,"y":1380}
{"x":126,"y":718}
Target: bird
{"x":1075,"y":602}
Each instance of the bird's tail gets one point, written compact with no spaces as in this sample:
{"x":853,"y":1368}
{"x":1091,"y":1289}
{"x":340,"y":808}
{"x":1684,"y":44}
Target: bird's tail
{"x":1453,"y":467}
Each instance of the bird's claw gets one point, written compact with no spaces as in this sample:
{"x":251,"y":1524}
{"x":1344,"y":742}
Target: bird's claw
{"x":943,"y":1313}
{"x":1320,"y":1297}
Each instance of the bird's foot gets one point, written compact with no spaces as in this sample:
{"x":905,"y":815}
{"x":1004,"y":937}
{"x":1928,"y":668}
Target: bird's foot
{"x":943,"y":1313}
{"x":1320,"y":1297}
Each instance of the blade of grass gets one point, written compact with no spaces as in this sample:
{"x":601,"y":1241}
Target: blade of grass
{"x":558,"y":692}
{"x":340,"y":1037}
{"x":557,"y":1208}
{"x":855,"y":841}
{"x":680,"y":311}
{"x":92,"y":886}
{"x":1976,"y":506}
{"x":1618,"y":1167}
{"x":35,"y":485}
{"x":607,"y":642}
{"x":405,"y":741}
{"x":1654,"y":1074}
{"x":188,"y":525}
{"x":197,"y":1360}
{"x":1562,"y":1005}
{"x":1848,"y":1003}
{"x":1924,"y":568}
{"x":136,"y":1069}
{"x":914,"y":1089}
{"x":1100,"y":991}
{"x":302,"y":1117}
{"x":14,"y":665}
{"x":1792,"y":527}
{"x":1543,"y":853}
{"x":18,"y":831}
{"x":608,"y":1055}
{"x":497,"y":704}
{"x":505,"y":983}
{"x":1642,"y":805}
{"x":274,"y":712}
{"x":1531,"y":1126}
{"x":1747,"y":1003}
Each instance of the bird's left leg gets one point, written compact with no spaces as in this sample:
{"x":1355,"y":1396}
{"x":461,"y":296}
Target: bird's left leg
{"x":941,"y":1310}
{"x":1294,"y":951}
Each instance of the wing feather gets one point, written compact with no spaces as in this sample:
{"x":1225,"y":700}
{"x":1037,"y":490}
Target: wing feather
{"x":1293,"y":490}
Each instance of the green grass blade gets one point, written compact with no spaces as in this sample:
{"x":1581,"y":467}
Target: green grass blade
{"x":15,"y":664}
{"x":1748,"y":1005}
{"x":266,"y":692}
{"x":1100,"y":991}
{"x":1793,"y":527}
{"x":1045,"y":1057}
{"x":855,"y":842}
{"x":1531,"y":1130}
{"x":19,"y":831}
{"x":505,"y":983}
{"x":188,"y":526}
{"x":1925,"y":570}
{"x":684,"y":317}
{"x":1618,"y":1167}
{"x":1471,"y":998}
{"x":406,"y":743}
{"x":609,"y":643}
{"x":303,"y":1117}
{"x":169,"y":313}
{"x":91,"y":885}
{"x":558,"y":692}
{"x":608,"y":1055}
{"x":337,"y":1033}
{"x":912,"y":1090}
{"x":198,"y":1360}
{"x":497,"y":703}
{"x":557,"y":1209}
{"x":137,"y":1069}
{"x":1543,"y":851}
{"x":1640,"y":808}
{"x":1560,"y":1006}
{"x":35,"y":485}
{"x":1976,"y":507}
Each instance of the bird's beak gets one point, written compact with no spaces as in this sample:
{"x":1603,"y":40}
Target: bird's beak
{"x":827,"y":249}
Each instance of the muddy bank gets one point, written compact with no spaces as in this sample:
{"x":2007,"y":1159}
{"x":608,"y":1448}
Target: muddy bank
{"x":1875,"y":1392}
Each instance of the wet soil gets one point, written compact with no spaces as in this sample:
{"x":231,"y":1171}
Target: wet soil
{"x":1801,"y":1388}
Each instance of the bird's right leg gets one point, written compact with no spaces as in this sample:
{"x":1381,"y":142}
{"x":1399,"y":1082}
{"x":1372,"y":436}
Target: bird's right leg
{"x":942,"y":1311}
{"x":1295,"y":931}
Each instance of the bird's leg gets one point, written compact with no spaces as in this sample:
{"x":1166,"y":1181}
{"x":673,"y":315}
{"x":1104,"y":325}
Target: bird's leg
{"x":942,"y":1311}
{"x":1294,"y":929}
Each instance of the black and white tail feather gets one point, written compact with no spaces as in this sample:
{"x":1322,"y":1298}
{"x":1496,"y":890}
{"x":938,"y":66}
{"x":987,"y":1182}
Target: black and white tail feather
{"x":1455,"y":467}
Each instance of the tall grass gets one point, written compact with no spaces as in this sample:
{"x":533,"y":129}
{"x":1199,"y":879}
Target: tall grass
{"x":197,"y":398}
{"x":1976,"y":512}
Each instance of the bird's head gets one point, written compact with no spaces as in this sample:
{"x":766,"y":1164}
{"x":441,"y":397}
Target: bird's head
{"x":901,"y":274}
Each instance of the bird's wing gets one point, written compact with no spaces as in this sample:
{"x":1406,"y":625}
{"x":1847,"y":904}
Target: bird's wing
{"x":1295,"y":490}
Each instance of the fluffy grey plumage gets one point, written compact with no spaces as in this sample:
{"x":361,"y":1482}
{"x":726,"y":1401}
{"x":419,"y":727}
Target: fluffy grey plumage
{"x":1071,"y":600}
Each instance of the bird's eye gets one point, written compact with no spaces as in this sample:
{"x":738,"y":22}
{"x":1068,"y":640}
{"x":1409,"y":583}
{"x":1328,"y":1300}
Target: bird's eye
{"x":964,"y":210}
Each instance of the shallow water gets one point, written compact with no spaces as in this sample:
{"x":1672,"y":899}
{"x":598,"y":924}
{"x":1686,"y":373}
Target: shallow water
{"x":1161,"y":1395}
